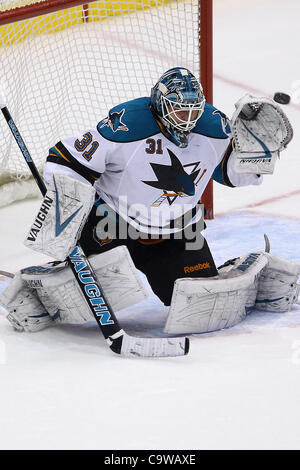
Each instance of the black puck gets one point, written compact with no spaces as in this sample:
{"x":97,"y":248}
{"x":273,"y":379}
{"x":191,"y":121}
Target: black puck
{"x":282,"y":98}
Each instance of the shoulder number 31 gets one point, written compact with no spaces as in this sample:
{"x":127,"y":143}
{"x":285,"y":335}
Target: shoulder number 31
{"x":83,"y":144}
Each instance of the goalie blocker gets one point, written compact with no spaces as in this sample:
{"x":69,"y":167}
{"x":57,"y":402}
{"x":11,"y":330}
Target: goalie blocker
{"x":61,"y":217}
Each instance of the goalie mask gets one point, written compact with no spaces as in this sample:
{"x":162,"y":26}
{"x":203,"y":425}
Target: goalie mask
{"x":178,"y":101}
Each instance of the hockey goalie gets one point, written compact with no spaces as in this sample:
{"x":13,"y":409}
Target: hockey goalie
{"x":128,"y":190}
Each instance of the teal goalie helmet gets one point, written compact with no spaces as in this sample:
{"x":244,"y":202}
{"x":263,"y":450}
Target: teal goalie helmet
{"x":178,"y":102}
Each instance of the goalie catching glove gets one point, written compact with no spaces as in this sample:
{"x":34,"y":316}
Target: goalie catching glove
{"x":260,"y":131}
{"x":61,"y":218}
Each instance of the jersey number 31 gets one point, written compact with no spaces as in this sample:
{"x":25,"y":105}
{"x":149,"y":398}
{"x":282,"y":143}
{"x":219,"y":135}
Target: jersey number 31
{"x":81,"y":146}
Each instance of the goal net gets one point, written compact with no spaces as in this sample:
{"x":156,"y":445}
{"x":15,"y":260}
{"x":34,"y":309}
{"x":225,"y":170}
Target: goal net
{"x":64,"y":64}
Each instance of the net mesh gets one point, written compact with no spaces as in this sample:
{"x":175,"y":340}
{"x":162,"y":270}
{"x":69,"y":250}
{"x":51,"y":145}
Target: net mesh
{"x":62,"y":71}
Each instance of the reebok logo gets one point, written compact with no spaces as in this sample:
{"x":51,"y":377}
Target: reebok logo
{"x":197,"y":267}
{"x":38,"y":223}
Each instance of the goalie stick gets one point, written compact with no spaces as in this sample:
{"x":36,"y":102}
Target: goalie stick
{"x":118,"y":340}
{"x":6,"y":274}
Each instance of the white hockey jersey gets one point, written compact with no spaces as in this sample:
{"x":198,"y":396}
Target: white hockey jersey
{"x":141,"y":174}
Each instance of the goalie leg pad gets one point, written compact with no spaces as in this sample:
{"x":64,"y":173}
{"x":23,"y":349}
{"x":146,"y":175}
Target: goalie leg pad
{"x":26,"y":312}
{"x":59,"y":292}
{"x":203,"y":305}
{"x":277,"y":286}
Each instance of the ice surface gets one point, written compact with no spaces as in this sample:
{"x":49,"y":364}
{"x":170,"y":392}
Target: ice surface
{"x":238,"y":388}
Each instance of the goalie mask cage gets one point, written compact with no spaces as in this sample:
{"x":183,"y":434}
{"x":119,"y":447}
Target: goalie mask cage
{"x":64,"y":63}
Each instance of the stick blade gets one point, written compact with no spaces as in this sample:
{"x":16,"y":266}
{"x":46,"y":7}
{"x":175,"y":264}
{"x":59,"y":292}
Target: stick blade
{"x":267,"y":243}
{"x":131,"y":346}
{"x":7,"y":274}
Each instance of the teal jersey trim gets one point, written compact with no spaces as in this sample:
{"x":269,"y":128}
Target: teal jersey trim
{"x":218,"y":174}
{"x":54,"y":153}
{"x":213,"y":123}
{"x":129,"y":122}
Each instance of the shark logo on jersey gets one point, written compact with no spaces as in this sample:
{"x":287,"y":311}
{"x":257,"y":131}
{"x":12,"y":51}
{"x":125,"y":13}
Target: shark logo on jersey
{"x":225,"y":123}
{"x":174,"y":180}
{"x":114,"y":121}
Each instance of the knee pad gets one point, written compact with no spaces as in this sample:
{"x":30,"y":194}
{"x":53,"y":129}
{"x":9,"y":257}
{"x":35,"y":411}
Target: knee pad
{"x":277,"y":287}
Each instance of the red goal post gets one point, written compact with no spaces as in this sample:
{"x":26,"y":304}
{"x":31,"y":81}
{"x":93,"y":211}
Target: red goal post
{"x":206,"y":77}
{"x":135,"y":39}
